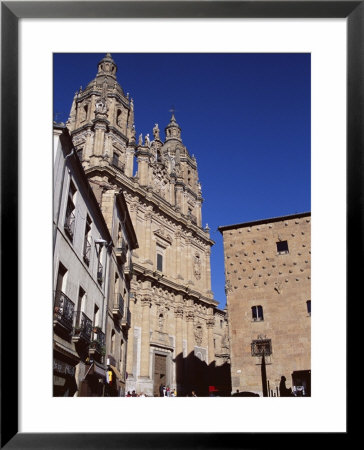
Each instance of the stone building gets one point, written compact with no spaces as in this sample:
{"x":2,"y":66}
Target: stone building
{"x":116,"y":214}
{"x":268,"y":285}
{"x":91,"y":285}
{"x":172,"y":308}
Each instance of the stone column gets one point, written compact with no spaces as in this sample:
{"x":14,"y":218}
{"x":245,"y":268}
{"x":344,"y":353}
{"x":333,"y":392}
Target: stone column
{"x":129,"y":162}
{"x":130,"y":342}
{"x":208,"y":270}
{"x":190,"y":333}
{"x":145,"y":338}
{"x":190,"y":350}
{"x":143,"y":168}
{"x":198,"y":213}
{"x":178,"y":312}
{"x":188,"y":264}
{"x":178,"y":254}
{"x":210,"y":323}
{"x":100,"y":129}
{"x":148,"y":237}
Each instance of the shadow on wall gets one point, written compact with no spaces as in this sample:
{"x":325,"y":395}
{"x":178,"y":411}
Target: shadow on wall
{"x":192,"y":374}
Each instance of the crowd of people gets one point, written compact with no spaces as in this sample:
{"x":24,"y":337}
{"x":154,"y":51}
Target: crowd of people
{"x":164,"y":391}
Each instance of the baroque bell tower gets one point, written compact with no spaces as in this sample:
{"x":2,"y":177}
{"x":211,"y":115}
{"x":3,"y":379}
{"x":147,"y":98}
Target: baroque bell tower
{"x":101,"y":121}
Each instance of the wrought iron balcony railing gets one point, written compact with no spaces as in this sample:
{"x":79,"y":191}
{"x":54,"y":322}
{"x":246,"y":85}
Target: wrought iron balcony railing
{"x":121,"y":252}
{"x":97,"y":345}
{"x":128,"y":269}
{"x":100,"y":273}
{"x":118,"y":307}
{"x":83,"y":330}
{"x":69,"y":224}
{"x":86,"y":251}
{"x":126,"y":320}
{"x":63,"y":311}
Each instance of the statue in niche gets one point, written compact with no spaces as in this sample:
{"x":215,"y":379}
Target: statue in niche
{"x":101,"y":107}
{"x":160,"y":322}
{"x":198,"y":334}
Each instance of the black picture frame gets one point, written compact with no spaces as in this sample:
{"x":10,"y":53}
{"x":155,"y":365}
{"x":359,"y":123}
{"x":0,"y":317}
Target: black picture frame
{"x":11,"y":12}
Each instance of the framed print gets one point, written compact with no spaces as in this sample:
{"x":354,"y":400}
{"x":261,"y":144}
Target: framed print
{"x":32,"y":33}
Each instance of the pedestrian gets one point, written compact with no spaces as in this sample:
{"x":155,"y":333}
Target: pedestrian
{"x":283,"y":390}
{"x":174,"y":392}
{"x":133,"y":394}
{"x":193,"y":394}
{"x":161,"y":390}
{"x":128,"y":394}
{"x":168,"y":391}
{"x":164,"y":392}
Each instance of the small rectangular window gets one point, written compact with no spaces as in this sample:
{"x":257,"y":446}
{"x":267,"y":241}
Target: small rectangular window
{"x":282,"y":247}
{"x":308,"y":303}
{"x":159,"y":262}
{"x":257,"y":313}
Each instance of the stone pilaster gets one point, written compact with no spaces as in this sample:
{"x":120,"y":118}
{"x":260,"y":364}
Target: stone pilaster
{"x":210,"y":323}
{"x":145,"y":344}
{"x":100,"y":129}
{"x":190,"y":334}
{"x":130,"y":343}
{"x":178,"y":312}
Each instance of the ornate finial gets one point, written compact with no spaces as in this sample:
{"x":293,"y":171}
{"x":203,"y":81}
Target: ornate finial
{"x":156,"y":132}
{"x":140,"y":141}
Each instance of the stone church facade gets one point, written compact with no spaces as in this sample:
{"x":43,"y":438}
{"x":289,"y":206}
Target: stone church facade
{"x":177,"y":335}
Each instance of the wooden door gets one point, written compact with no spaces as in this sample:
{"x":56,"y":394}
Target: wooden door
{"x":160,"y":369}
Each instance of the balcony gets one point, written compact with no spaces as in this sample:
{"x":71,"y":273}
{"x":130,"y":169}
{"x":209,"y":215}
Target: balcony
{"x":97,"y":345}
{"x":126,"y":320}
{"x":121,"y":252}
{"x":100,"y":273}
{"x":128,"y":270}
{"x":83,"y":331}
{"x":69,"y":224}
{"x":118,"y":307}
{"x":63,"y":313}
{"x":86,"y":251}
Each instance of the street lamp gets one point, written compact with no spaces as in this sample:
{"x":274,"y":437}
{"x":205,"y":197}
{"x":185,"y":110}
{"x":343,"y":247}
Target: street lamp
{"x":262,"y":347}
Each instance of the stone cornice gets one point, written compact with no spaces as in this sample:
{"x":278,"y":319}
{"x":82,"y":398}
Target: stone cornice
{"x":158,"y":204}
{"x":85,"y":94}
{"x":167,"y":283}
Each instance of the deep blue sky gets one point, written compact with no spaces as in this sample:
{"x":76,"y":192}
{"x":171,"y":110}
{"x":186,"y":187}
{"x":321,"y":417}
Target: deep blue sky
{"x":245,"y":117}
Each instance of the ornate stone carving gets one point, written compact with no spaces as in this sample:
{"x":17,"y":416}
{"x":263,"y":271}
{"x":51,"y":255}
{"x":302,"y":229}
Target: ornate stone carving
{"x":163,"y":235}
{"x":178,"y":312}
{"x":210,"y":323}
{"x":197,"y":267}
{"x":190,"y":316}
{"x":146,"y":300}
{"x":228,"y":287}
